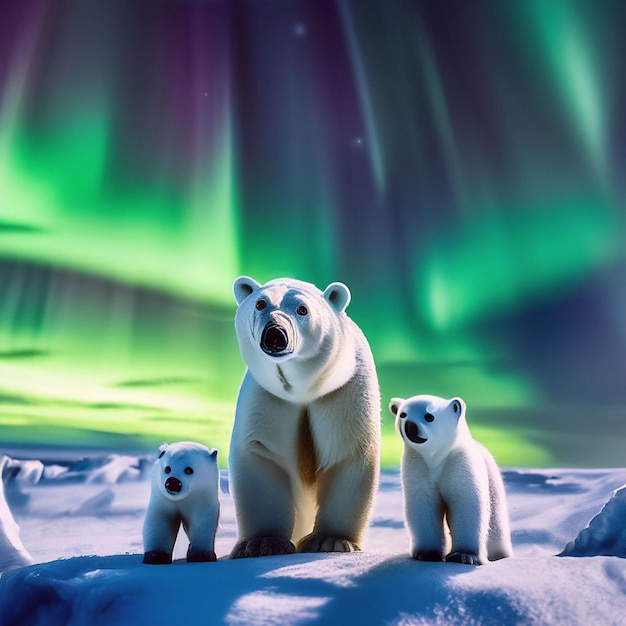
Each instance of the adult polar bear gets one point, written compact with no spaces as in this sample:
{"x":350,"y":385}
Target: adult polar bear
{"x":305,"y":447}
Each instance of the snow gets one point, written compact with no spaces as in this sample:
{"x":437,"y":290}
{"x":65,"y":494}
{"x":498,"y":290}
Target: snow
{"x":81,"y":523}
{"x":13,"y":554}
{"x":606,"y":532}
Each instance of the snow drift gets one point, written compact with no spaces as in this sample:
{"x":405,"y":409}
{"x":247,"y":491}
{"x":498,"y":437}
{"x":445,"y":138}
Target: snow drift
{"x":606,"y":532}
{"x":12,"y":552}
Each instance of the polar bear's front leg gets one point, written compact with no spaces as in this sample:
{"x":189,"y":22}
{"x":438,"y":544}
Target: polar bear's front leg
{"x":423,"y":514}
{"x":201,"y":532}
{"x":159,"y":535}
{"x":264,"y":506}
{"x":345,"y":495}
{"x":468,"y":518}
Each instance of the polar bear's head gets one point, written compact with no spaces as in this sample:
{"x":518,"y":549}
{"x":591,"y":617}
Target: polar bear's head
{"x":286,"y":323}
{"x":428,"y":424}
{"x":185,"y":468}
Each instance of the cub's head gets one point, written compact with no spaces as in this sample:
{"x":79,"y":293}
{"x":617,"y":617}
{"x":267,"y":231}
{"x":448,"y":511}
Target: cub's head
{"x":184,"y":468}
{"x":285,"y":318}
{"x":428,"y":424}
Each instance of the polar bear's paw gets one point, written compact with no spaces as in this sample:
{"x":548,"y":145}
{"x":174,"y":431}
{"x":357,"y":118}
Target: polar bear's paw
{"x":200,"y":556}
{"x":262,"y":546}
{"x":466,"y":558}
{"x":157,"y":557}
{"x":428,"y":555}
{"x":318,"y":542}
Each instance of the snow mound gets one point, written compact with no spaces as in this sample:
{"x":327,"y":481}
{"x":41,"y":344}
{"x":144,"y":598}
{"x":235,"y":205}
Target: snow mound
{"x":358,"y":588}
{"x":13,"y":554}
{"x":606,"y":533}
{"x":100,"y":504}
{"x":109,"y":469}
{"x":23,"y":472}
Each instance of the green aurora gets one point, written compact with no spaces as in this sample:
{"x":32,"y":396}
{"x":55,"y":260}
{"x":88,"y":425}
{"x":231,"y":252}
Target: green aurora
{"x":469,"y":194}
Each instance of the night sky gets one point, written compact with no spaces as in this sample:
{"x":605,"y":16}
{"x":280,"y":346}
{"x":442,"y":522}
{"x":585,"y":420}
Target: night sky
{"x":459,"y":165}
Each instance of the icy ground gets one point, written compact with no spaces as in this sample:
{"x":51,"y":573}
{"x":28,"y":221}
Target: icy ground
{"x":82,"y":527}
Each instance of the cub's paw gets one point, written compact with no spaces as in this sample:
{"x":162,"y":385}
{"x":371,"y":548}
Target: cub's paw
{"x":317,"y":542}
{"x":262,"y":546}
{"x":200,"y":556}
{"x":428,"y":555}
{"x":157,"y":557}
{"x":466,"y":558}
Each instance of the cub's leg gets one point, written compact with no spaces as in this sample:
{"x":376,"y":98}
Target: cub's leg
{"x":467,"y":512}
{"x":159,"y":535}
{"x":499,"y":539}
{"x":201,"y":532}
{"x":424,"y":512}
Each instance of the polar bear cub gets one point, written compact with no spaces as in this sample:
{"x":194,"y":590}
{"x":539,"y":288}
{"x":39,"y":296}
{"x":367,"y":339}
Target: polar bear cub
{"x":305,"y":447}
{"x":450,"y":481}
{"x":184,"y":489}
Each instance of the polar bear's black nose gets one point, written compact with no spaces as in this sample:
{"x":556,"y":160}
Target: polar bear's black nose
{"x":173,"y":485}
{"x":274,"y":339}
{"x":412,"y":431}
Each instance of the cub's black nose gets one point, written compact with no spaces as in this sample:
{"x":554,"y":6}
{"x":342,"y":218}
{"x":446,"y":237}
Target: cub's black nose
{"x":274,"y":339}
{"x":412,"y":431}
{"x":173,"y":485}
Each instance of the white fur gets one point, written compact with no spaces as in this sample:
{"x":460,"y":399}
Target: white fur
{"x":325,"y":377}
{"x":450,"y":481}
{"x":195,"y":505}
{"x":13,"y":554}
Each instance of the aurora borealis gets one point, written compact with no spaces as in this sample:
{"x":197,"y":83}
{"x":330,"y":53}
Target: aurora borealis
{"x":459,"y":165}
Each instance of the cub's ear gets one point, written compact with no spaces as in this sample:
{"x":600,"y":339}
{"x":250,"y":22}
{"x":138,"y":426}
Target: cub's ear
{"x":243,"y":287}
{"x":458,"y":406}
{"x":213,"y":453}
{"x":338,"y":296}
{"x":394,"y":405}
{"x":162,"y":449}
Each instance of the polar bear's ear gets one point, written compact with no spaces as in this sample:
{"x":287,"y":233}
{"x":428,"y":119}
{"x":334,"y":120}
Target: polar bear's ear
{"x":458,"y":406}
{"x":162,"y":448}
{"x":338,"y":296}
{"x":243,"y":287}
{"x":394,"y":405}
{"x":213,"y":453}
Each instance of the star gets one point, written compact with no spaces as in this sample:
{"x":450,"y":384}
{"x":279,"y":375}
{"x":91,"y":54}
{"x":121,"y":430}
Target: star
{"x":299,"y":30}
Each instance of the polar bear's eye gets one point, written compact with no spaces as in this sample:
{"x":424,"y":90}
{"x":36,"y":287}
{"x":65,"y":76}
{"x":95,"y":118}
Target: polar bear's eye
{"x":167,"y":469}
{"x":302,"y":310}
{"x":403,"y":415}
{"x":260,"y":304}
{"x":189,"y":470}
{"x":429,"y":417}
